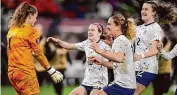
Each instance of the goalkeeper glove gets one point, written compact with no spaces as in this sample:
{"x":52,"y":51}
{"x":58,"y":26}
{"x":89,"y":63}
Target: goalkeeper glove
{"x":56,"y":75}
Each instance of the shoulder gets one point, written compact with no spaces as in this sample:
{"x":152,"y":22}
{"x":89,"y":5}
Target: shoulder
{"x":84,"y":42}
{"x":175,"y":46}
{"x":138,"y":28}
{"x":121,"y":40}
{"x":155,"y":26}
{"x":31,"y":31}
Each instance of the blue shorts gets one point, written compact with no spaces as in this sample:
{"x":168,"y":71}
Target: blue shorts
{"x":90,"y":88}
{"x":145,"y":78}
{"x":176,"y":92}
{"x":115,"y":89}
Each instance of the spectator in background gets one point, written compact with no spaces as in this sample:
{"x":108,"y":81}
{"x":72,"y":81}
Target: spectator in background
{"x":59,"y":62}
{"x":169,"y":55}
{"x":48,"y":8}
{"x":4,"y":60}
{"x":161,"y":83}
{"x":105,"y":9}
{"x":42,"y":75}
{"x":57,"y":57}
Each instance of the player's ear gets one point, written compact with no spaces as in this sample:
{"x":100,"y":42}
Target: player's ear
{"x":29,"y":16}
{"x":118,"y":27}
{"x":100,"y":34}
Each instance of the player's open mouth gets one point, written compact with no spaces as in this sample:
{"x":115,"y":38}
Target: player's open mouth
{"x":108,"y":29}
{"x":143,"y":14}
{"x":90,"y":35}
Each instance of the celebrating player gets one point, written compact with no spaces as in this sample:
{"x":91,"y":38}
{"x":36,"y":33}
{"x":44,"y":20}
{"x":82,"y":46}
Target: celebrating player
{"x":121,"y":57}
{"x":147,"y":37}
{"x":96,"y":76}
{"x":23,"y":41}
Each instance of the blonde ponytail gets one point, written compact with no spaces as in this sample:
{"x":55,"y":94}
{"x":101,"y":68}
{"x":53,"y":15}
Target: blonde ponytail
{"x":21,"y":13}
{"x":130,"y":33}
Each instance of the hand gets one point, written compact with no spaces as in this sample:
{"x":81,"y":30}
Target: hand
{"x":95,"y":60}
{"x":52,"y":38}
{"x":160,"y":46}
{"x":56,"y":75}
{"x":95,"y":47}
{"x":109,"y":40}
{"x":137,"y":57}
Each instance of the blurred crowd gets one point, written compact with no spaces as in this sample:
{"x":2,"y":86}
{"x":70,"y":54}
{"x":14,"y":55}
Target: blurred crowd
{"x":69,"y":20}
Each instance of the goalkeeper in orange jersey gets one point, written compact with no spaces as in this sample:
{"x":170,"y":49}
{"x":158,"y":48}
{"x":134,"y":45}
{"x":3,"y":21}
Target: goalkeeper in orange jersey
{"x":23,"y":42}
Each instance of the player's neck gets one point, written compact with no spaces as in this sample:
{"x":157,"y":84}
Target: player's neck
{"x":118,"y":34}
{"x":97,"y":40}
{"x":149,"y":21}
{"x":28,"y":22}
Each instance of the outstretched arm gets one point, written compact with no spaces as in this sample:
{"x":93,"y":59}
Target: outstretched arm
{"x":63,"y":44}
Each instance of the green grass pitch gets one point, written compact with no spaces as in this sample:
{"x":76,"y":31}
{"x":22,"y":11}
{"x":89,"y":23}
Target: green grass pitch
{"x":48,"y":90}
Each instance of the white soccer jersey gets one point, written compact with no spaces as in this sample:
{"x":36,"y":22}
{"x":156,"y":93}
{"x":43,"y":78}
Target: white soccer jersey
{"x":145,"y":34}
{"x":124,"y":73}
{"x":95,"y":75}
{"x":171,"y":54}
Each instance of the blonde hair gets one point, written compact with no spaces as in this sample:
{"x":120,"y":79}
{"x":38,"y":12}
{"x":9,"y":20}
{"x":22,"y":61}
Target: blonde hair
{"x":130,"y":34}
{"x":21,"y":13}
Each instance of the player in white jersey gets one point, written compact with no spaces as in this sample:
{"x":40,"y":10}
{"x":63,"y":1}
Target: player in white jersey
{"x":96,"y":76}
{"x":147,"y":37}
{"x":121,"y":57}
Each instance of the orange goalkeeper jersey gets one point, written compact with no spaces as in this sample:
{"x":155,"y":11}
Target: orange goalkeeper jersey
{"x":22,"y":43}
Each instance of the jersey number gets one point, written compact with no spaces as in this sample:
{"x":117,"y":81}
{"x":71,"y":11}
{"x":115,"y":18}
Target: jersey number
{"x":138,"y":41}
{"x":140,"y":73}
{"x":9,"y":41}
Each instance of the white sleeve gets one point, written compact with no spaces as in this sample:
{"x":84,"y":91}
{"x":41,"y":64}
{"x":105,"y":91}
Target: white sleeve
{"x":81,"y":45}
{"x":156,"y":34}
{"x":107,"y":48}
{"x":171,"y":54}
{"x":120,"y":46}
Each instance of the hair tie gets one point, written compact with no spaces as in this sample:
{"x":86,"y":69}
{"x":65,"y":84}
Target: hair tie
{"x":99,"y":26}
{"x":153,"y":3}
